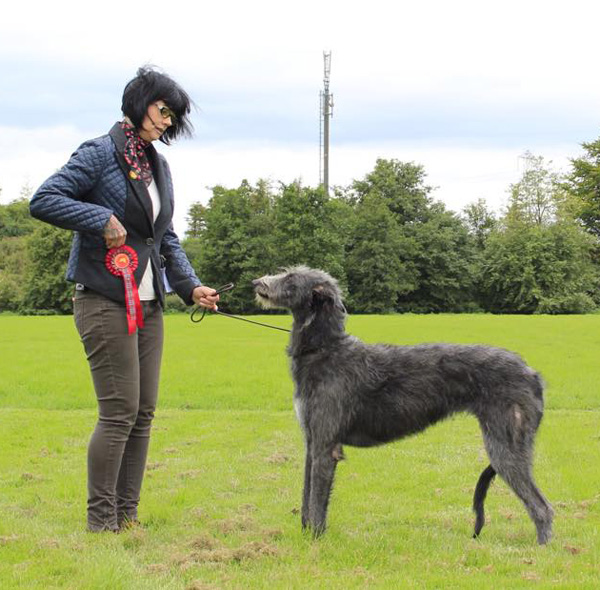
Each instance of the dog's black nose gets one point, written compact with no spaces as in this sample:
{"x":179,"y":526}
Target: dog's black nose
{"x":256,"y":282}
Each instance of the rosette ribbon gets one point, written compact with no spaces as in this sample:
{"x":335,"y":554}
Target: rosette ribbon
{"x":121,"y":262}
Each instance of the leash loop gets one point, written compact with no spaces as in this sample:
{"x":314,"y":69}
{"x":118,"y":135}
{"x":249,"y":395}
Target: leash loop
{"x":222,"y":289}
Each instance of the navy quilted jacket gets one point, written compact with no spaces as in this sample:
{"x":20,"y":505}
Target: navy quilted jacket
{"x":92,"y":186}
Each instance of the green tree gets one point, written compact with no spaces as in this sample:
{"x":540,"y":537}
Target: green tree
{"x":539,"y":269}
{"x":45,"y":285}
{"x":234,"y":244}
{"x":536,"y":197}
{"x":444,"y":260}
{"x":377,"y":274}
{"x":402,"y":186}
{"x":539,"y":260}
{"x":583,"y":185}
{"x":309,"y":228}
{"x":13,"y":264}
{"x":436,"y":252}
{"x":15,"y":219}
{"x":480,"y":222}
{"x":15,"y":225}
{"x":196,"y":220}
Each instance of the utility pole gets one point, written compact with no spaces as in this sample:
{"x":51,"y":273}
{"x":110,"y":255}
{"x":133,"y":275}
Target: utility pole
{"x":326,"y":112}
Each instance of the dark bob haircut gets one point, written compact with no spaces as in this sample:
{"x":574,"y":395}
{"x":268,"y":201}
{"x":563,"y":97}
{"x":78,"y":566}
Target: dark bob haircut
{"x":150,"y":85}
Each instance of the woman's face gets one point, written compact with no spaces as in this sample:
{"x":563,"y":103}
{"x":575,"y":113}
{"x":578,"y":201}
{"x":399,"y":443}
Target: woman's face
{"x":159,"y":117}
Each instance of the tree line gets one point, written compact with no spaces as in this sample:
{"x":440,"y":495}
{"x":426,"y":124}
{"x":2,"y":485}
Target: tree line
{"x":390,"y":244}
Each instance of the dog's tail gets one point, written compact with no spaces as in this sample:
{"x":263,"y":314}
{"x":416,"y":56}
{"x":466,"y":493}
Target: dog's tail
{"x":485,"y":479}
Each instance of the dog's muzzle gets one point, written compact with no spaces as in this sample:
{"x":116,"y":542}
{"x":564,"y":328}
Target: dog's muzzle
{"x":261,"y":290}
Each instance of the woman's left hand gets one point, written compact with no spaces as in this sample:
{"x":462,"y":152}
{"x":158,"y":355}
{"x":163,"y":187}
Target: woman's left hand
{"x":114,"y":233}
{"x":206,"y":297}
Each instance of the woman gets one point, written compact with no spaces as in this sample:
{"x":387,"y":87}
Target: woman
{"x":116,"y":194}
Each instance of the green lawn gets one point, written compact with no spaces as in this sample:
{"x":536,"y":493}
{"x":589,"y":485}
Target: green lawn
{"x":222,"y":493}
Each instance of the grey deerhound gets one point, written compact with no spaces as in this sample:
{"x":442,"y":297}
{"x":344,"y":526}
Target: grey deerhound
{"x":348,"y":392}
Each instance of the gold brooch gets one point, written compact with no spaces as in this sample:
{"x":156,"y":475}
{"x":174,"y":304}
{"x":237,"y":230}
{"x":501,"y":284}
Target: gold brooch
{"x":132,"y":175}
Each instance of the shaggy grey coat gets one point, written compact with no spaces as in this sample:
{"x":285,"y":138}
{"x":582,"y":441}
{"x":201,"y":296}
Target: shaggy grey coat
{"x":348,"y":392}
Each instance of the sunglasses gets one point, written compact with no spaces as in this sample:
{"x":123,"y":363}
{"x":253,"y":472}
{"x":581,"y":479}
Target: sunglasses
{"x":166,"y":112}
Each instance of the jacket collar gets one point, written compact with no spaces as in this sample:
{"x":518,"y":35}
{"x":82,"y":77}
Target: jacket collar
{"x":140,"y":191}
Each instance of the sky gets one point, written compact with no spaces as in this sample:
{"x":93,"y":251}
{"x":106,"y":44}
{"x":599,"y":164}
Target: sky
{"x":463,"y":88}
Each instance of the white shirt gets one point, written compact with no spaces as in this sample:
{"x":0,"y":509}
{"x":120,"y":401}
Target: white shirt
{"x":146,"y":287}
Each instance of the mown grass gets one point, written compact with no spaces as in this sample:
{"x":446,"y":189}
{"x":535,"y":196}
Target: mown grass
{"x":222,"y":493}
{"x":225,"y":364}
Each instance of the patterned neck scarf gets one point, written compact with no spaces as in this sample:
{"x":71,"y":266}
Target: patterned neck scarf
{"x":135,"y":156}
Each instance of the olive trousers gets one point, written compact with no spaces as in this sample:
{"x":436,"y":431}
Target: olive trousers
{"x":125,"y":371}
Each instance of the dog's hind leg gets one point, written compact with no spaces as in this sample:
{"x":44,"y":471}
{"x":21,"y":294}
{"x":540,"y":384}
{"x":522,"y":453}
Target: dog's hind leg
{"x":485,"y":479}
{"x":321,"y":481}
{"x":539,"y":509}
{"x":513,"y":464}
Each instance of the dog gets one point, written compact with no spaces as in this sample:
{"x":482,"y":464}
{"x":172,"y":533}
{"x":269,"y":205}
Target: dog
{"x":347,"y":392}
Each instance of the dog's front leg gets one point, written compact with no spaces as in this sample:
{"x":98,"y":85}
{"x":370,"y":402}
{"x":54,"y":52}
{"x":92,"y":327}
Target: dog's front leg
{"x":322,"y":472}
{"x":307,"y":479}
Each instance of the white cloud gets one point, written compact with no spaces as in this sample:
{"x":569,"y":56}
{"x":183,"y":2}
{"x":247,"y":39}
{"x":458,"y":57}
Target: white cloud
{"x":461,"y":87}
{"x":461,"y":175}
{"x":29,"y":156}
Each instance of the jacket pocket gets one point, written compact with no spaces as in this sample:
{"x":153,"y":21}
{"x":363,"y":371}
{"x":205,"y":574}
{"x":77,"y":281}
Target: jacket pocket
{"x":90,"y":241}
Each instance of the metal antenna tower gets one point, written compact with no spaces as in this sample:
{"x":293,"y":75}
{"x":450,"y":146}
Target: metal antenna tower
{"x":326,"y":112}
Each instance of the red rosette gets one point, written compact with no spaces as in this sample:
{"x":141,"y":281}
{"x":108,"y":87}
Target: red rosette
{"x":121,"y":262}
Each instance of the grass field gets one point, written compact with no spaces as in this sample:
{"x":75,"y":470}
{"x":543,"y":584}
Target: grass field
{"x":222,"y":493}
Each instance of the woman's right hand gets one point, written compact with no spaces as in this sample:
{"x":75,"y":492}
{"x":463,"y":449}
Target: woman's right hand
{"x":114,"y":233}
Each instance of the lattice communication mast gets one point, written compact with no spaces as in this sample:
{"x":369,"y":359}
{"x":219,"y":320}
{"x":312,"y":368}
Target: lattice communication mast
{"x":326,"y":112}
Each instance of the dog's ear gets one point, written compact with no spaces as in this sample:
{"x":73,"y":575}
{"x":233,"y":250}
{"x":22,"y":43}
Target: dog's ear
{"x":325,"y":293}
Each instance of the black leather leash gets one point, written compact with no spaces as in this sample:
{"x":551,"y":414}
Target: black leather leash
{"x":220,"y":290}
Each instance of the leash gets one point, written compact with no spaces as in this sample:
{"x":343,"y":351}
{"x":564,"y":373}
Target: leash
{"x":220,"y":290}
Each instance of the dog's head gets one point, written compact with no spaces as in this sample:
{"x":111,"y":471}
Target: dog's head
{"x":298,"y":288}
